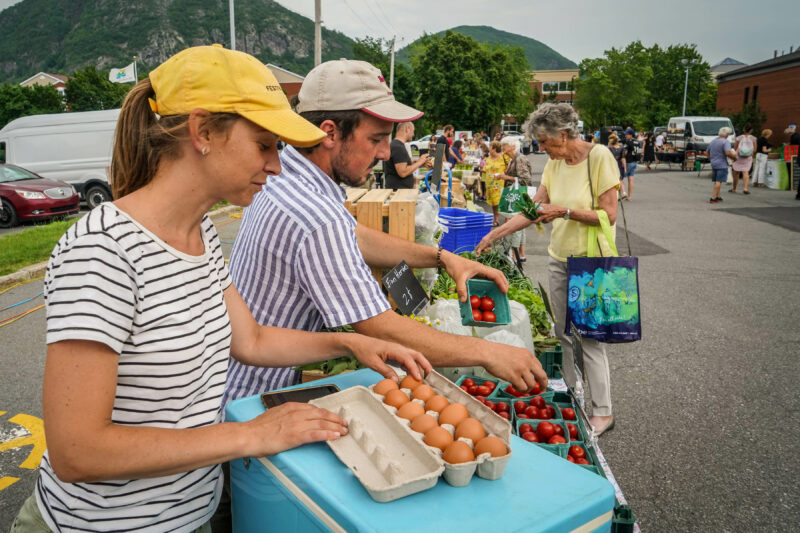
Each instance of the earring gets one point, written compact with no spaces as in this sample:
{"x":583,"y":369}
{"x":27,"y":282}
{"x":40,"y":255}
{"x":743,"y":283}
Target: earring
{"x":204,"y":151}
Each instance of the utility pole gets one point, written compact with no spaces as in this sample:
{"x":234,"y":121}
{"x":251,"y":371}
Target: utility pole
{"x":391,"y":66}
{"x":233,"y":31}
{"x":317,"y":32}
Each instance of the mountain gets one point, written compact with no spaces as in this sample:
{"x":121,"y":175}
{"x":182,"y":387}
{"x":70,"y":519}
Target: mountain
{"x":62,"y":36}
{"x":540,"y":56}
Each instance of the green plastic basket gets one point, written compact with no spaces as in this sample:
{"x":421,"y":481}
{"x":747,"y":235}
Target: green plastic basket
{"x":481,"y":288}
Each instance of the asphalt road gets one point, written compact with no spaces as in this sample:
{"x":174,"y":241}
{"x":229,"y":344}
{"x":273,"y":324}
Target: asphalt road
{"x":705,"y":403}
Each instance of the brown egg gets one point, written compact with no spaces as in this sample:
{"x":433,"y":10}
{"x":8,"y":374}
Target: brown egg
{"x":384,"y":386}
{"x":438,"y":437}
{"x":409,"y":382}
{"x":423,"y":422}
{"x":395,"y":398}
{"x":436,"y":403}
{"x":471,"y":429}
{"x":458,"y":452}
{"x":492,"y":445}
{"x":453,"y":414}
{"x":423,"y":392}
{"x":410,"y":410}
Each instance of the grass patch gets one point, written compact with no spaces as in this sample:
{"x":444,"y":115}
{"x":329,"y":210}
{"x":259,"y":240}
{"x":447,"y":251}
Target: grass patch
{"x":18,"y":250}
{"x":220,"y":205}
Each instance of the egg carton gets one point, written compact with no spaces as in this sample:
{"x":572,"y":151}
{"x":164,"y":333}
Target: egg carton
{"x":486,"y":466}
{"x":385,"y":456}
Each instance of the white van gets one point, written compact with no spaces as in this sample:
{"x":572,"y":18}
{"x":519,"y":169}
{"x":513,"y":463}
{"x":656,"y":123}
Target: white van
{"x":72,"y":147}
{"x":694,"y":133}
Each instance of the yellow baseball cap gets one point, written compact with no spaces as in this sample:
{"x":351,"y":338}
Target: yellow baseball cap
{"x":227,"y":81}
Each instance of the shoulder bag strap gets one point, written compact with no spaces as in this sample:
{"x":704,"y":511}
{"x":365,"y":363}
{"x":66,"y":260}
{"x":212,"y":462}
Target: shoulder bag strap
{"x":593,"y":246}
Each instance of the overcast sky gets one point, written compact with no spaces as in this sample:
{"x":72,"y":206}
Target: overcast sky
{"x":744,"y":30}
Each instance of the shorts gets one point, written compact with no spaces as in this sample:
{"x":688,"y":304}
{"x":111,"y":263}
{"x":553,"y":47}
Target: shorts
{"x":517,"y":238}
{"x":630,"y":169}
{"x":719,"y":174}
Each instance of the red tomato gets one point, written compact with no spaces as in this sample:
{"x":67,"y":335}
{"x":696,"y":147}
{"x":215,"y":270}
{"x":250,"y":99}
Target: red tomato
{"x":475,"y":301}
{"x":477,"y":315}
{"x":490,"y":404}
{"x":524,"y":428}
{"x":577,"y":452}
{"x":556,"y":439}
{"x":530,"y":436}
{"x":504,"y":414}
{"x":469,"y":382}
{"x":536,"y":389}
{"x":487,"y":304}
{"x":538,"y":402}
{"x":544,"y":431}
{"x":582,"y":461}
{"x":551,"y":411}
{"x":569,"y":413}
{"x":465,"y":388}
{"x":558,"y":430}
{"x":519,"y":406}
{"x":523,"y":415}
{"x":481,"y":398}
{"x":513,"y":392}
{"x":570,"y":459}
{"x":573,"y":431}
{"x":484,"y":391}
{"x":490,"y":384}
{"x":502,"y":407}
{"x":473,"y":390}
{"x":532,"y":412}
{"x":489,"y":316}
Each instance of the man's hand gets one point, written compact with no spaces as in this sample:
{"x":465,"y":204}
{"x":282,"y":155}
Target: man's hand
{"x":517,"y":365}
{"x":462,"y":269}
{"x":373,"y":354}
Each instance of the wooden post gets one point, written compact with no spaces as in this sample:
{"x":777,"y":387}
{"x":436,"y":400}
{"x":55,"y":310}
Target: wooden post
{"x":369,"y":212}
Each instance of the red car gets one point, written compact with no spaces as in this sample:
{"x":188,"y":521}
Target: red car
{"x":28,"y":196}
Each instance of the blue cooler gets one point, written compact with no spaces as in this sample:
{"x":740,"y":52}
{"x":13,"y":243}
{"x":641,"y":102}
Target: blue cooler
{"x":307,"y":490}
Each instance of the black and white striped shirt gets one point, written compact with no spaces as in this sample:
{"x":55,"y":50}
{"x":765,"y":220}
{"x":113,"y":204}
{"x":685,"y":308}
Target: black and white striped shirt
{"x":110,"y":280}
{"x":297,"y":264}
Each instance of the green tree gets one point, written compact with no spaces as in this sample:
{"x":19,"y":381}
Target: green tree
{"x":469,"y":84}
{"x":751,"y":114}
{"x":90,"y":90}
{"x":666,"y":86}
{"x":17,"y":101}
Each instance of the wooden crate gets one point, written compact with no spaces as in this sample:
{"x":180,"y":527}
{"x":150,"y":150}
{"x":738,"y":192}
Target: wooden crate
{"x":372,"y":207}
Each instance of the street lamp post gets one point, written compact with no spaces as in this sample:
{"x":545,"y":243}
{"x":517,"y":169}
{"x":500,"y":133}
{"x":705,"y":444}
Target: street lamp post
{"x":687,"y":64}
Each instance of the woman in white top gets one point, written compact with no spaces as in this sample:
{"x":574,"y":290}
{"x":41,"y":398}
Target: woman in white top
{"x":142,"y":316}
{"x":745,"y":148}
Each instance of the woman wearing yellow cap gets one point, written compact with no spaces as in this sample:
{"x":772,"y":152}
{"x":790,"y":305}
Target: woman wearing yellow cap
{"x":142,"y":316}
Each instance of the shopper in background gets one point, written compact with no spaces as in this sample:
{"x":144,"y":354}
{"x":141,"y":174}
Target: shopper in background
{"x":719,"y":150}
{"x":660,"y":141}
{"x":399,"y":170}
{"x":142,"y":317}
{"x":455,"y":153}
{"x":762,"y":152}
{"x":569,"y":203}
{"x":496,"y":164}
{"x":629,"y":157}
{"x":616,"y":149}
{"x":649,"y":150}
{"x":744,"y":147}
{"x":518,"y":170}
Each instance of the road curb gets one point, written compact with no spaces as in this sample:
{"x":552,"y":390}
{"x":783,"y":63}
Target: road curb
{"x":37,"y":270}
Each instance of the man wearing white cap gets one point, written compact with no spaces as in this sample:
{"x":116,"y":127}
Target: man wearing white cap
{"x":300,"y":259}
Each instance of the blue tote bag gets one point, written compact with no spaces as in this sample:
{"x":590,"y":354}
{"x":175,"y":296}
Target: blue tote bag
{"x":603,"y":292}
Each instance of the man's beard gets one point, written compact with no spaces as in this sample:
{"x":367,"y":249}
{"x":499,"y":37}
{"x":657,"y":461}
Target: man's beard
{"x":340,"y":172}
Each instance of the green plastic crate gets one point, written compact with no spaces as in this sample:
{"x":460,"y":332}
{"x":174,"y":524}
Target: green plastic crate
{"x":551,"y":361}
{"x":481,"y":288}
{"x":623,"y":520}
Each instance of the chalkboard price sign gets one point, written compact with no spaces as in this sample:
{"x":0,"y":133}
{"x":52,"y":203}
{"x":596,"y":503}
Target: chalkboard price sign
{"x":405,"y":289}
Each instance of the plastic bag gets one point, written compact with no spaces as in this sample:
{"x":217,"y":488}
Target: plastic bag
{"x":500,"y":336}
{"x":449,"y":316}
{"x":520,"y":326}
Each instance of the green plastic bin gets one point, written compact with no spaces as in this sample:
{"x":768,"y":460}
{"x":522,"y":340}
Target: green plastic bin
{"x":481,"y":288}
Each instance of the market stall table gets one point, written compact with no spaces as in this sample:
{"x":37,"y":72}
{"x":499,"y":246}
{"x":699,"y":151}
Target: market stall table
{"x":308,"y":489}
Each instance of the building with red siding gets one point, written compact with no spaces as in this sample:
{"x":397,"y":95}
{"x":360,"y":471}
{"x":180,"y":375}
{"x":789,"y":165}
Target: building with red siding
{"x":774,"y":84}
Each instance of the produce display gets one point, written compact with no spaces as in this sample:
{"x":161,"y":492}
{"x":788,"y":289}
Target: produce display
{"x":482,"y":309}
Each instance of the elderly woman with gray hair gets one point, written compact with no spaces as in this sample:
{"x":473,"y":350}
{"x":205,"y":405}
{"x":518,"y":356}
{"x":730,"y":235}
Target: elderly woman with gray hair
{"x":519,"y":169}
{"x":579,"y":180}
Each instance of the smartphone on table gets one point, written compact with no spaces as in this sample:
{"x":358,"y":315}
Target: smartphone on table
{"x":302,"y":395}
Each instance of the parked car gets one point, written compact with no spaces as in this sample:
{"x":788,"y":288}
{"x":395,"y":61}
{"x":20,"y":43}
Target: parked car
{"x":421,"y":145}
{"x":28,"y":196}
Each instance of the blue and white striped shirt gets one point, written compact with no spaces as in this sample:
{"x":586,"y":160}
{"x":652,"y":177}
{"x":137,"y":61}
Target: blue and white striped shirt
{"x":297,"y":264}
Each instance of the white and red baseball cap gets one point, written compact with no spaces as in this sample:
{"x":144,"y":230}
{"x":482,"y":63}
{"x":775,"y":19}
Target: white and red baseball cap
{"x":346,"y":84}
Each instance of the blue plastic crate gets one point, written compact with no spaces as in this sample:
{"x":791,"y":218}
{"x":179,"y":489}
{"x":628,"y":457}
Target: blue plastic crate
{"x":459,"y":240}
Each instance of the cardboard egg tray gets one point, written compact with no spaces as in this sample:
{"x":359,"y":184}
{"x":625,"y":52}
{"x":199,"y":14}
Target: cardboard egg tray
{"x":390,"y":459}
